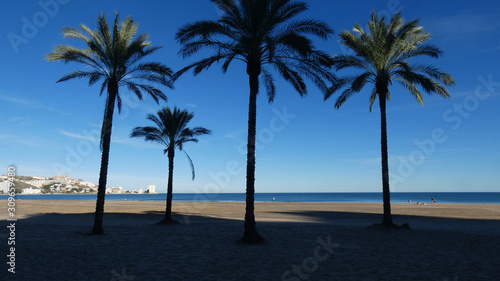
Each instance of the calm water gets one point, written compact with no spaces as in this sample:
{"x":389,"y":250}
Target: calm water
{"x":396,"y":197}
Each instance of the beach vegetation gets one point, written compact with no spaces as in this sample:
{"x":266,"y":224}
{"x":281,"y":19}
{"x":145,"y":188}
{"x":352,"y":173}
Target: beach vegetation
{"x":382,"y":55}
{"x":112,"y":56}
{"x":267,"y":37}
{"x":171,"y":130}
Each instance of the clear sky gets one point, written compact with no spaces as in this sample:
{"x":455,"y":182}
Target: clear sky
{"x":304,"y":144}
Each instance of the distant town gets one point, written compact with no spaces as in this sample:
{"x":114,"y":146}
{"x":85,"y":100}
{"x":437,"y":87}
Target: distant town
{"x":61,"y":184}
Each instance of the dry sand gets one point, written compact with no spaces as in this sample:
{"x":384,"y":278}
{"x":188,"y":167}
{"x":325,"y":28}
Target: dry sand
{"x":305,"y":241}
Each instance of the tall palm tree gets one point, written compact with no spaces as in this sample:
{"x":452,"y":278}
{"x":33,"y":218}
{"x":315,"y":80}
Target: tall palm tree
{"x":171,"y":131}
{"x":113,"y":57}
{"x":259,"y":33}
{"x":383,"y":54}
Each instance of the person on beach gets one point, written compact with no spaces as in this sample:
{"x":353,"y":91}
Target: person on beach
{"x":433,"y":200}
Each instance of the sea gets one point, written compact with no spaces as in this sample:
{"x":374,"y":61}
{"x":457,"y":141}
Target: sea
{"x":358,"y":197}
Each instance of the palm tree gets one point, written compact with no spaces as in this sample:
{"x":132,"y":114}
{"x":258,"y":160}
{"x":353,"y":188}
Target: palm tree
{"x":112,"y":56}
{"x":383,"y":54}
{"x":259,"y":33}
{"x":171,"y":131}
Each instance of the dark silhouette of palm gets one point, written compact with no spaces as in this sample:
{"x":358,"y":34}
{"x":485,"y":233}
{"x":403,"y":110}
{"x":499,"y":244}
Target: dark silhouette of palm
{"x":113,"y":57}
{"x":259,"y":33}
{"x":383,"y":54}
{"x":172,"y":132}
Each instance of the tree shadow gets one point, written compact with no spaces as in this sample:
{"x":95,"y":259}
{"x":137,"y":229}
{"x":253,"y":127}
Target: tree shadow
{"x":135,"y":242}
{"x":476,"y":226}
{"x":333,"y":218}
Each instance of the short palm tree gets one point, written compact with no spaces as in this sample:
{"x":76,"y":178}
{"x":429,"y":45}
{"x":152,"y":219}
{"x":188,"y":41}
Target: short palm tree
{"x":113,"y":57}
{"x":259,"y":33}
{"x":383,"y":54}
{"x":172,"y":132}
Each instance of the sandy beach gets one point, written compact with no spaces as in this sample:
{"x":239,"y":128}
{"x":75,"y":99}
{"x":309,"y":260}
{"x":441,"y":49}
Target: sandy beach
{"x":305,"y":241}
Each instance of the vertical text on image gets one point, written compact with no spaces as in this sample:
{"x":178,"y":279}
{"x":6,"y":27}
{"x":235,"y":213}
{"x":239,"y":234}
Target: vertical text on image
{"x":11,"y":209}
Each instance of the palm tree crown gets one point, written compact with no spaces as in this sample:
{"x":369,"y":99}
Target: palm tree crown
{"x":383,"y":54}
{"x":171,"y":130}
{"x":112,"y":56}
{"x":260,"y":33}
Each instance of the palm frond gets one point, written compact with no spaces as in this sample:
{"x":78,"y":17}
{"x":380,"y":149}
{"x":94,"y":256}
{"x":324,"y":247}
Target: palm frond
{"x":190,"y":164}
{"x":309,"y":26}
{"x":292,"y":76}
{"x":283,"y":11}
{"x":149,"y":133}
{"x":269,"y":84}
{"x":119,"y":103}
{"x":71,"y":32}
{"x":259,"y":33}
{"x":295,"y":43}
{"x":373,"y":96}
{"x":114,"y":56}
{"x":337,"y":85}
{"x":81,"y":74}
{"x":198,"y":131}
{"x":171,"y":130}
{"x":202,"y":29}
{"x":347,"y":93}
{"x":383,"y":53}
{"x":343,"y":61}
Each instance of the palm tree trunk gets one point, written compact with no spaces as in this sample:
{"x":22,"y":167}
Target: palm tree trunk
{"x":387,"y":219}
{"x":168,"y":212}
{"x":103,"y":174}
{"x":251,"y":235}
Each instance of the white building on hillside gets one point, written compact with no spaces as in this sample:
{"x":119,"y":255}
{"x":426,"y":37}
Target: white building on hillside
{"x":61,"y":179}
{"x":38,"y":182}
{"x":31,"y":190}
{"x":89,"y":184}
{"x":151,"y":188}
{"x":114,"y":190}
{"x":4,"y":187}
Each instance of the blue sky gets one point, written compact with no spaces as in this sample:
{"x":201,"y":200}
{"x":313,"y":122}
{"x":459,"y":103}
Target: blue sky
{"x":304,"y":144}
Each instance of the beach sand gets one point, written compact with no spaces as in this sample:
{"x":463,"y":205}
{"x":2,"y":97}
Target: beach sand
{"x":305,"y":241}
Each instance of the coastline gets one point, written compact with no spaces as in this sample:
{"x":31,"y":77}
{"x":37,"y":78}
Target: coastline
{"x":266,"y":211}
{"x":320,"y":241}
{"x":350,"y":197}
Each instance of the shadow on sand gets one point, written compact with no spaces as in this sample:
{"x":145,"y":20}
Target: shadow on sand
{"x":475,"y":226}
{"x":331,"y":246}
{"x":334,"y":218}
